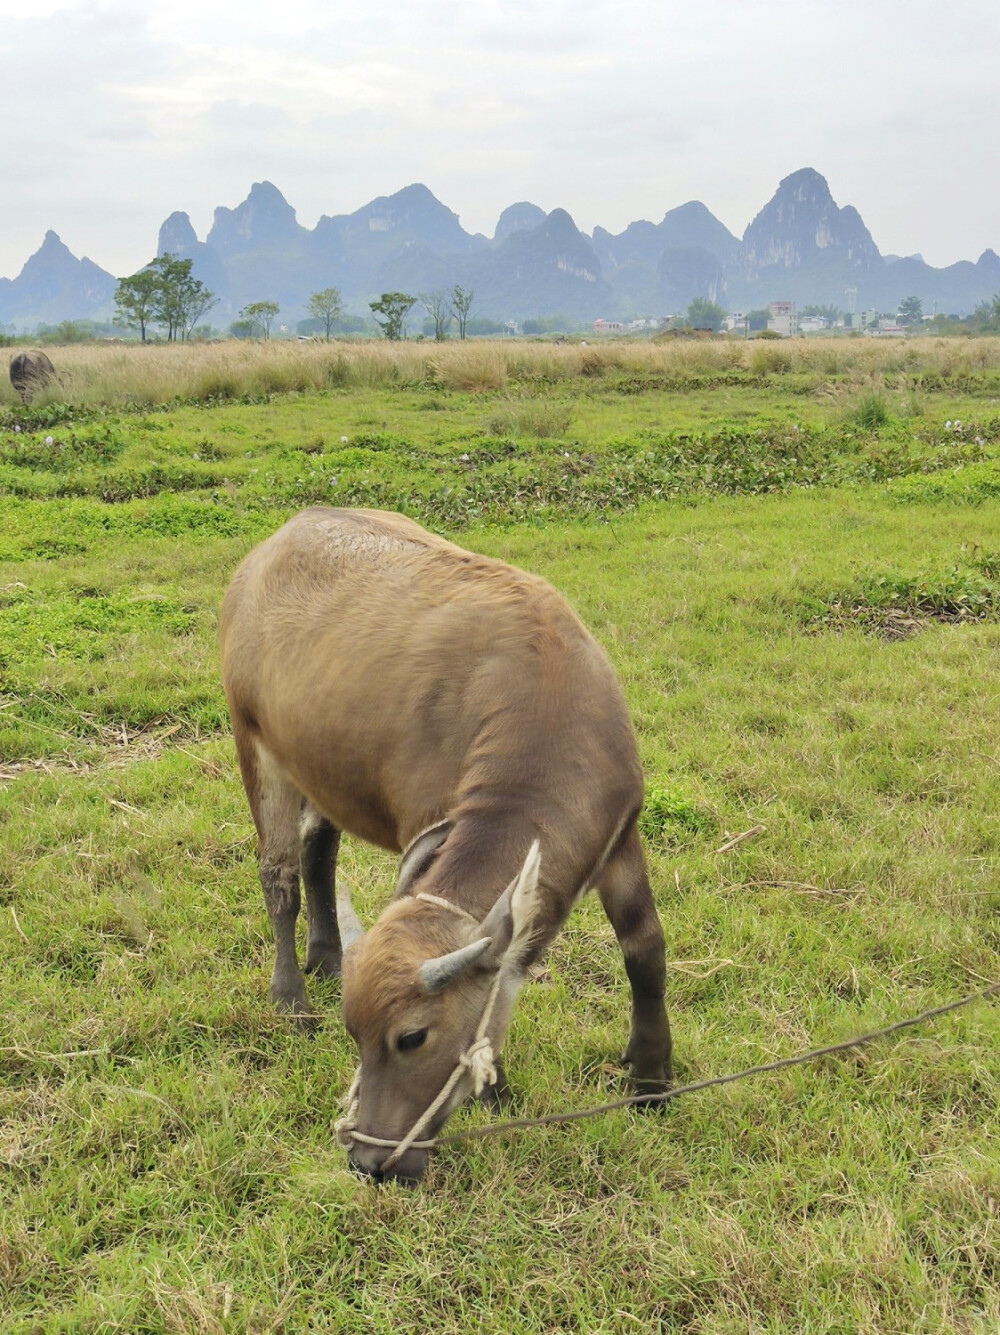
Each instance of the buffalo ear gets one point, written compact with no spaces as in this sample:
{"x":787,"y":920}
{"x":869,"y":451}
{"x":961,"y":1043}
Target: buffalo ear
{"x":418,"y":855}
{"x":513,"y":919}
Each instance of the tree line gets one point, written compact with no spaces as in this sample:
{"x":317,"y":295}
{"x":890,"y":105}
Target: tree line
{"x":165,"y":294}
{"x":392,"y":308}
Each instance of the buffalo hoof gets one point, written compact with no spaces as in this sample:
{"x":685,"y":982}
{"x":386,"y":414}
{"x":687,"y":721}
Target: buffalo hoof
{"x":648,"y":1085}
{"x":295,"y":1007}
{"x":323,"y":961}
{"x":649,"y":1095}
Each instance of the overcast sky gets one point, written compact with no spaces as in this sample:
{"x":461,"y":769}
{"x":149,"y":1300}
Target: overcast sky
{"x":118,"y":113}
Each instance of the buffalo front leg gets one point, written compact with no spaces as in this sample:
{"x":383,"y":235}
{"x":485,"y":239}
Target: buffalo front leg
{"x":318,"y":864}
{"x":280,"y":884}
{"x":628,"y":902}
{"x":275,"y":804}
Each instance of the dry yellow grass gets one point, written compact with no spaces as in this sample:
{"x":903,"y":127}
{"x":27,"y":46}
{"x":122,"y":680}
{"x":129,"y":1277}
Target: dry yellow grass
{"x":120,"y":374}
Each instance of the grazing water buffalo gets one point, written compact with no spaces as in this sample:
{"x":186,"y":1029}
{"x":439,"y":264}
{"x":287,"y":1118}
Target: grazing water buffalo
{"x":385,"y":683}
{"x":30,"y":372}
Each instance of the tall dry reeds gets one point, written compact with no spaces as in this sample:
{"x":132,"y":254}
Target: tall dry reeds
{"x":133,"y":374}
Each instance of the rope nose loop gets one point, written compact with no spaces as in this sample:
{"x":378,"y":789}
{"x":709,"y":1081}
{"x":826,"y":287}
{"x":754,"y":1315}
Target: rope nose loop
{"x":480,"y":1062}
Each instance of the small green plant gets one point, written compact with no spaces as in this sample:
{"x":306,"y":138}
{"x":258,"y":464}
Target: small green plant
{"x":987,"y":562}
{"x":871,"y":412}
{"x":669,"y":816}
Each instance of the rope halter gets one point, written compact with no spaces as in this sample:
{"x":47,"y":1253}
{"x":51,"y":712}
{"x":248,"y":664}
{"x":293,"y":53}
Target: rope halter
{"x":479,"y":1060}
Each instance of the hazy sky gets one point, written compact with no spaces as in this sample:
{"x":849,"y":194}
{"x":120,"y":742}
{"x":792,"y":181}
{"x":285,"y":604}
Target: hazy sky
{"x":117,"y":113}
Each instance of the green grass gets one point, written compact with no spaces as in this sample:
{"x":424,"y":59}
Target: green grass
{"x":491,"y":457}
{"x":167,"y":1160}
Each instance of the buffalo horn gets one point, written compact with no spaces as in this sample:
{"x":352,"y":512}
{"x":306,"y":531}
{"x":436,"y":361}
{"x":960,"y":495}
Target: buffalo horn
{"x":347,"y":920}
{"x":439,"y":972}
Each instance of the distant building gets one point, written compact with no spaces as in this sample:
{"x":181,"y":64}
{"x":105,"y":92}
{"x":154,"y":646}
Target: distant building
{"x":783,"y":318}
{"x":812,"y":324}
{"x":608,"y":327}
{"x":736,"y":320}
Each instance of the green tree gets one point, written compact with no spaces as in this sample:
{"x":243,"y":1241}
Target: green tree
{"x":325,"y":306}
{"x":259,"y":315}
{"x":390,"y":311}
{"x":166,"y":293}
{"x":136,"y":299}
{"x":74,"y":331}
{"x":461,"y":304}
{"x":181,"y":299}
{"x":438,"y":309}
{"x":911,"y":311}
{"x":985,"y":319}
{"x":705,"y":314}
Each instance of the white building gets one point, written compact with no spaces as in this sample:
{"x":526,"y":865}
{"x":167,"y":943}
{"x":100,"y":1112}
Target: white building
{"x":887,"y":329}
{"x":783,"y":318}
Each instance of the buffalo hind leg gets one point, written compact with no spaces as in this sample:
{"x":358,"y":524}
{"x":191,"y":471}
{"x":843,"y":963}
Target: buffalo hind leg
{"x":318,"y":864}
{"x":628,"y":902}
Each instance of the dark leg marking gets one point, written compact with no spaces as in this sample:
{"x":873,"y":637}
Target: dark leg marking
{"x":628,"y":902}
{"x":318,"y":864}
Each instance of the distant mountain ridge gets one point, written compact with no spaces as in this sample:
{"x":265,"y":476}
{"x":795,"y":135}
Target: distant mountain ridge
{"x":54,"y":285}
{"x":800,"y":246}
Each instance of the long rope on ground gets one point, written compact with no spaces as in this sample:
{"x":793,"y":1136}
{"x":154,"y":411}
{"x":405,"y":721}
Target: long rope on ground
{"x":550,"y":1119}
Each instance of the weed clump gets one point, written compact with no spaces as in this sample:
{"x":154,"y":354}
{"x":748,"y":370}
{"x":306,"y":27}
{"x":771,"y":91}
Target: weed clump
{"x":895,"y":606}
{"x":973,"y":484}
{"x":540,"y":418}
{"x":870,"y":413}
{"x":669,"y":817}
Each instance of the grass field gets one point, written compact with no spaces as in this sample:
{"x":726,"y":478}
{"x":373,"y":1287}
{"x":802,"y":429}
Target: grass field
{"x":796,"y":570}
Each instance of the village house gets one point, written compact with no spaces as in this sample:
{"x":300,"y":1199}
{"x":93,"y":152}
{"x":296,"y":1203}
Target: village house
{"x":783,"y":318}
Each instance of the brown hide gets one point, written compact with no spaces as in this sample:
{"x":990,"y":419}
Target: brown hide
{"x":390,"y":680}
{"x":396,"y":678}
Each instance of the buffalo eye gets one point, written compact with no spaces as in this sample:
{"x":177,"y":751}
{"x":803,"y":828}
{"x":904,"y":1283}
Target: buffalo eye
{"x":407,"y":1042}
